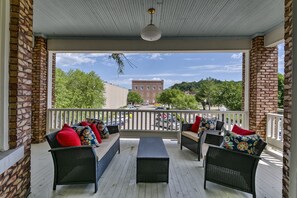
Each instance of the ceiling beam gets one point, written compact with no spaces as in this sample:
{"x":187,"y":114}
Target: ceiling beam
{"x":274,"y":37}
{"x":163,"y":45}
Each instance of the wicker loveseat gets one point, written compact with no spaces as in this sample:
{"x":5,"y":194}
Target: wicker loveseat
{"x":233,"y":169}
{"x":82,"y":164}
{"x":193,"y":141}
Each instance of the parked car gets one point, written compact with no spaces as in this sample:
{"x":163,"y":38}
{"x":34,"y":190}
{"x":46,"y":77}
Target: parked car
{"x":168,"y":123}
{"x":160,"y":108}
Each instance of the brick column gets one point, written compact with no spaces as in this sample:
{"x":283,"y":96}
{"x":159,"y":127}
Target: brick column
{"x":39,"y":104}
{"x":243,"y":80}
{"x":54,"y":80}
{"x":263,"y":84}
{"x":15,"y":182}
{"x":287,"y":95}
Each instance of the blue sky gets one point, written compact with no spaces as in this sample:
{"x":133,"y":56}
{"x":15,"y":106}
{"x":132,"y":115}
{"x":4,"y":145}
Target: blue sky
{"x":170,"y":67}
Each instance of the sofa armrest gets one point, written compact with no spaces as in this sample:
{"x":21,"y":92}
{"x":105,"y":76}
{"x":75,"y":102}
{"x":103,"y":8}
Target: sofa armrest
{"x":113,"y":129}
{"x":186,"y":127}
{"x":85,"y":152}
{"x":74,"y":164}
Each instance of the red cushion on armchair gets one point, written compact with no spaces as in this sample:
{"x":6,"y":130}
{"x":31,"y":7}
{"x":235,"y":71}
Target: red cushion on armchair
{"x":195,"y":126}
{"x":240,"y":131}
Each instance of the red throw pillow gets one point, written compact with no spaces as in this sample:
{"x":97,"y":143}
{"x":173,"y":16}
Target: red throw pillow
{"x":195,"y":126}
{"x":240,"y":131}
{"x":68,"y":137}
{"x":96,"y":132}
{"x":66,"y":126}
{"x":84,"y":123}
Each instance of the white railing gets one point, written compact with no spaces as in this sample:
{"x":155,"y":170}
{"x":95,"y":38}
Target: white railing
{"x":274,"y":130}
{"x":142,"y":120}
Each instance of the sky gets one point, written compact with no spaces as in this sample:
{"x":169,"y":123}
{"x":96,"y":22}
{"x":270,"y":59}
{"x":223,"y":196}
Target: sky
{"x":170,"y":67}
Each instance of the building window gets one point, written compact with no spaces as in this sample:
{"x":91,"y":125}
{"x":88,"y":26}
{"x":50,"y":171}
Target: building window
{"x":160,"y":88}
{"x":141,"y":88}
{"x":135,"y":88}
{"x":148,"y":87}
{"x":154,"y":88}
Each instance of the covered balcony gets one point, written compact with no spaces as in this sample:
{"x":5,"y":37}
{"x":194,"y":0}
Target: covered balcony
{"x":34,"y":31}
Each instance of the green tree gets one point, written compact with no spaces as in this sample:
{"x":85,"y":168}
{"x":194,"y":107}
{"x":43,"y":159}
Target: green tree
{"x":177,"y":99}
{"x":207,"y":93}
{"x":230,"y":95}
{"x":77,"y":89}
{"x":280,"y":90}
{"x":185,"y":101}
{"x":62,"y":93}
{"x":134,"y":98}
{"x":168,"y":95}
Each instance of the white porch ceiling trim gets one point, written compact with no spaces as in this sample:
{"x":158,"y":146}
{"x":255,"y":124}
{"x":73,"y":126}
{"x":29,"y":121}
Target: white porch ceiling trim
{"x":275,"y":37}
{"x":166,"y":45}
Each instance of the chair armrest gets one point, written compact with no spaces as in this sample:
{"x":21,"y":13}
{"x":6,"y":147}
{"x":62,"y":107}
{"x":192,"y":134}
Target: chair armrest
{"x":186,"y":127}
{"x":113,"y":129}
{"x":230,"y":159}
{"x":214,"y":139}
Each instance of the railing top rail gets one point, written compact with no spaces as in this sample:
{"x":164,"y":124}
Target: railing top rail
{"x":147,"y":110}
{"x":275,"y":114}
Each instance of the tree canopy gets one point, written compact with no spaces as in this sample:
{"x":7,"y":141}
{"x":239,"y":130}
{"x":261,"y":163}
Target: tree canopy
{"x":177,"y":99}
{"x":77,"y":89}
{"x":280,"y":90}
{"x":134,"y":98}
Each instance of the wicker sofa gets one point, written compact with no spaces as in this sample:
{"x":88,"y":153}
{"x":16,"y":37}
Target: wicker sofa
{"x":193,"y":141}
{"x":82,"y":164}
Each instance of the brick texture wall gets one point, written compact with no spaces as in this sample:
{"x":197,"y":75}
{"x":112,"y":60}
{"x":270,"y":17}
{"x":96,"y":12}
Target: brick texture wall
{"x":263,"y":84}
{"x":15,"y":182}
{"x":39,"y":103}
{"x":54,"y":80}
{"x":287,"y":94}
{"x":243,"y":80}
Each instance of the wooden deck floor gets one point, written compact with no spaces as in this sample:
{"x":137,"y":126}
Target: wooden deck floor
{"x":185,"y":177}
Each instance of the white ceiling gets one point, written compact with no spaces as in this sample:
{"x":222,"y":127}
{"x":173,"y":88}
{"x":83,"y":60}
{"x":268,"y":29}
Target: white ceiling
{"x":176,"y":18}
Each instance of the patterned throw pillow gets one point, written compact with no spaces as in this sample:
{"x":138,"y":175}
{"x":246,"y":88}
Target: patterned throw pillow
{"x":208,"y":123}
{"x":86,"y":135}
{"x":104,"y":133}
{"x":245,"y":144}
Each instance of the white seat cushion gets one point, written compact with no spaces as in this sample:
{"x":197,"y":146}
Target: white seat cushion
{"x":191,"y":135}
{"x":106,"y":145}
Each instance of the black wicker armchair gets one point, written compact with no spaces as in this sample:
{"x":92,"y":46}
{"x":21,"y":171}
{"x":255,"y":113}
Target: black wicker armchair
{"x":80,"y":164}
{"x":233,"y":169}
{"x":193,"y":141}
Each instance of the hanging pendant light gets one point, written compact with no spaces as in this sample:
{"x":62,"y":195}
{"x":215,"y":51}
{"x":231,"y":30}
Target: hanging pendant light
{"x":151,"y":32}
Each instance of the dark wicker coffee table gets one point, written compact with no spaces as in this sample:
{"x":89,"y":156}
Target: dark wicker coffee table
{"x":152,"y":160}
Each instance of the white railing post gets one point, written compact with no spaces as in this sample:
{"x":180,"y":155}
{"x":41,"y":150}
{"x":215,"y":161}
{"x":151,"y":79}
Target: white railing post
{"x":274,"y":130}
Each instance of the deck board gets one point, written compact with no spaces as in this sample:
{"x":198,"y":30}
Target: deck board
{"x":119,"y":180}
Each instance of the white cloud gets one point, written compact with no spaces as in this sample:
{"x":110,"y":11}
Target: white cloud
{"x":72,"y":59}
{"x":155,"y":56}
{"x":236,"y":56}
{"x":192,"y":59}
{"x":232,"y":68}
{"x":160,"y":75}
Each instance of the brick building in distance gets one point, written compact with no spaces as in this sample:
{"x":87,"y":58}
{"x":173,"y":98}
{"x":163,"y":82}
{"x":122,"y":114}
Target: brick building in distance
{"x":148,"y":89}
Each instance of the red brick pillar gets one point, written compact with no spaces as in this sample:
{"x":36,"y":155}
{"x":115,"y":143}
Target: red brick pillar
{"x":288,"y":95}
{"x":54,"y":80}
{"x":15,"y":182}
{"x":39,"y":104}
{"x":263,"y":84}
